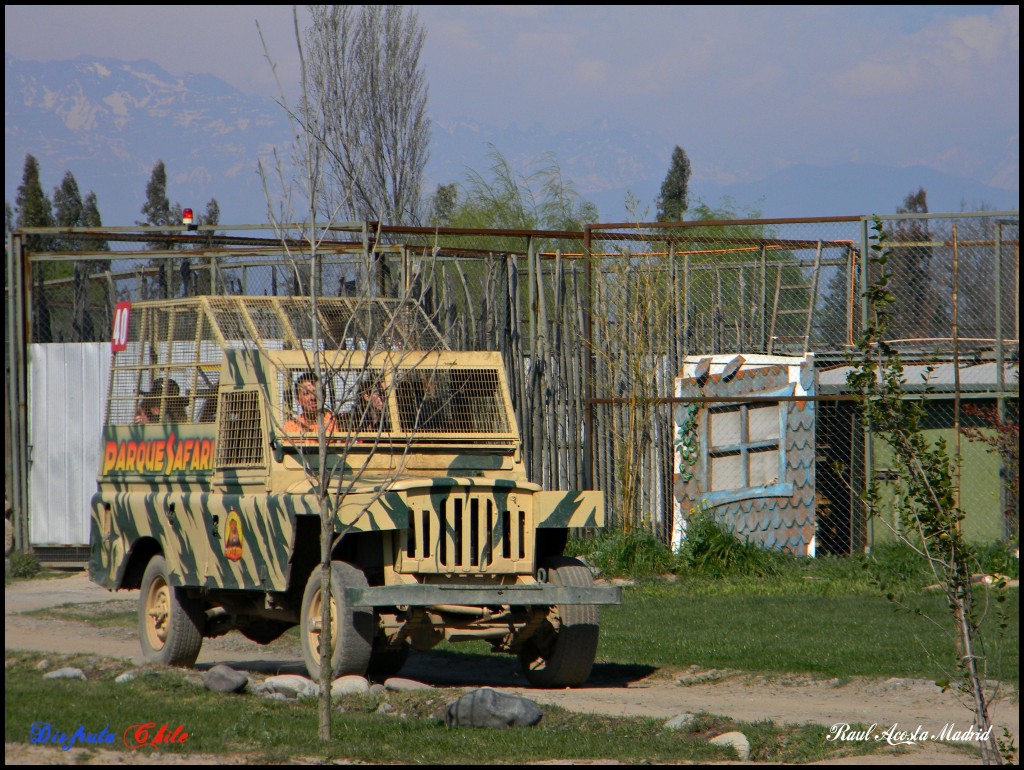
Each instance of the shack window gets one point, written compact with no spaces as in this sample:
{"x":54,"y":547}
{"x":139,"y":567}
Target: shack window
{"x":744,"y":448}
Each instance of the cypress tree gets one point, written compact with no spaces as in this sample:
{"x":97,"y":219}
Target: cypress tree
{"x":91,"y":216}
{"x":67,"y":202}
{"x":68,"y":210}
{"x":33,"y":207}
{"x":98,"y":291}
{"x":212,"y":214}
{"x":35,"y":210}
{"x":919,"y":310}
{"x":673,"y":200}
{"x":157,"y":210}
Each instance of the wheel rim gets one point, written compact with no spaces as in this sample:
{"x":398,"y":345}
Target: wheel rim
{"x":314,"y":625}
{"x":158,"y":613}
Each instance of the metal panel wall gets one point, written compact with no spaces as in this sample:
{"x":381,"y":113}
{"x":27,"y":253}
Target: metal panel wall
{"x":67,"y":394}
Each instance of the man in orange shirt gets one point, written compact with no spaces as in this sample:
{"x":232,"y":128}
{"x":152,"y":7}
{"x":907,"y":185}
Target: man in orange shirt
{"x":304,"y":421}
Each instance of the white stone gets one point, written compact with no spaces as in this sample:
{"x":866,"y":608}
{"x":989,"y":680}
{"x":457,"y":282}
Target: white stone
{"x":398,"y":684}
{"x":737,"y":740}
{"x":352,"y":684}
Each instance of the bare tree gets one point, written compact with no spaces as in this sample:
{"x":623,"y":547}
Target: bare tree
{"x":346,"y":451}
{"x":368,"y":97}
{"x":371,"y":341}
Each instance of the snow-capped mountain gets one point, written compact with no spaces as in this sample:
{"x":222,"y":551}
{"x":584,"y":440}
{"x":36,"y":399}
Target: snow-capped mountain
{"x":109,"y":121}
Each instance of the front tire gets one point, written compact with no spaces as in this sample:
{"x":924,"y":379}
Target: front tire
{"x":170,"y":622}
{"x":561,"y":652}
{"x":352,"y":628}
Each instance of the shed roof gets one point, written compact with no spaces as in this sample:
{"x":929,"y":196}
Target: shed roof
{"x":940,"y":378}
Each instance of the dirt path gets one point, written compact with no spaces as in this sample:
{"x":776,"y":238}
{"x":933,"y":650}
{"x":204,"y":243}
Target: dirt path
{"x":613,"y":689}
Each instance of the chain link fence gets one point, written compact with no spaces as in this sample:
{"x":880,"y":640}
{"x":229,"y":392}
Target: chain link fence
{"x":691,"y":366}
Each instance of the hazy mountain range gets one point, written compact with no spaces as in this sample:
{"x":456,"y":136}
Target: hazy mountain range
{"x":108,"y":121}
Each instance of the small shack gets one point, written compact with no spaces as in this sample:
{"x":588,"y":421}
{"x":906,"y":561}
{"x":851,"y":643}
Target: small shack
{"x":788,"y":473}
{"x":744,"y":448}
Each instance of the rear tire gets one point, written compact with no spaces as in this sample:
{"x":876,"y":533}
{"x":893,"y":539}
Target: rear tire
{"x":352,"y":628}
{"x":561,"y":652}
{"x":170,"y":622}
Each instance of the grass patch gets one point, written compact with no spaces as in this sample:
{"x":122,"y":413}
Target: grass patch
{"x":412,"y":732}
{"x":732,"y":605}
{"x":821,"y":617}
{"x":825,"y":617}
{"x":792,"y":626}
{"x":114,"y":614}
{"x":811,"y":627}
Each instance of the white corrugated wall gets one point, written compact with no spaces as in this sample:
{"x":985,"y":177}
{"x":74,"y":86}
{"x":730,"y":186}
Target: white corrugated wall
{"x":67,"y":394}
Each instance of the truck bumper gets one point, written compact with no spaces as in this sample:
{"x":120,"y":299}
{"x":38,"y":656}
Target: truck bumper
{"x":428,"y":595}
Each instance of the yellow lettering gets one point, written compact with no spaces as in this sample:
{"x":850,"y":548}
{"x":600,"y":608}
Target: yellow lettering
{"x":159,"y":456}
{"x":179,"y":456}
{"x":152,"y":450}
{"x":169,"y":450}
{"x":206,"y":455}
{"x":109,"y":457}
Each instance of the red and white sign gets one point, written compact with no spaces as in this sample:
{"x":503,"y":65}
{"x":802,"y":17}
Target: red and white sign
{"x":119,"y":338}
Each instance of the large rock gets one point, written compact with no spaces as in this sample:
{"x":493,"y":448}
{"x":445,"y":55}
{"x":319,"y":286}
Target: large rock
{"x":489,"y":708}
{"x":223,"y":678}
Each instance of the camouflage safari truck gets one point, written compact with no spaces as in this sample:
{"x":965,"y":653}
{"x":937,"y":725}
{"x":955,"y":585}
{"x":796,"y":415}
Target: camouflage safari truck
{"x":212,"y":458}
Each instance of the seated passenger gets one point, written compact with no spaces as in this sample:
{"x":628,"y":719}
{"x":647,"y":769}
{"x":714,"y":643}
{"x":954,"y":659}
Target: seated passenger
{"x":369,"y":414}
{"x":148,"y":411}
{"x":304,"y":421}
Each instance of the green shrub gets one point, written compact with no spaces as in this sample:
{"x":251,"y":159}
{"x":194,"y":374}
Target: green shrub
{"x":998,"y":558}
{"x":636,"y":553}
{"x":892,"y":564}
{"x":24,"y":564}
{"x":711,"y":549}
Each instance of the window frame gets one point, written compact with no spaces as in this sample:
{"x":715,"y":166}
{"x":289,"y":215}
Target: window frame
{"x":781,"y":487}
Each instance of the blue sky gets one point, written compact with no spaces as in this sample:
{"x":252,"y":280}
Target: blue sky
{"x":746,"y":90}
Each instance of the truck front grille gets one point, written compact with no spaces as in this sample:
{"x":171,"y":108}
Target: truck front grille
{"x":468,"y":532}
